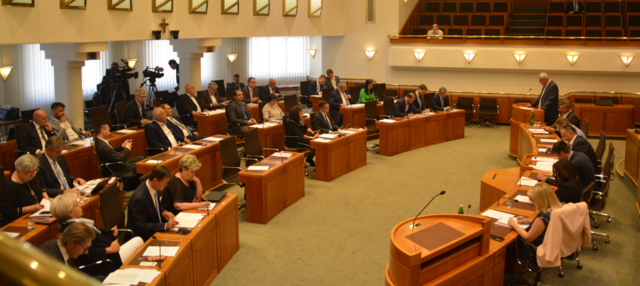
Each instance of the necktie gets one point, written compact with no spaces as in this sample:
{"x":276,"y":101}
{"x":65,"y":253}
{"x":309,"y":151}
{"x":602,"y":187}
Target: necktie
{"x":61,"y":177}
{"x":420,"y":102}
{"x":181,"y":125}
{"x":328,"y":122}
{"x":44,"y":136}
{"x":155,"y":202}
{"x":344,"y":98}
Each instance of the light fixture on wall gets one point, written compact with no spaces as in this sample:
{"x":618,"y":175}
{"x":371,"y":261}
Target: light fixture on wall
{"x":370,"y":54}
{"x":469,"y":57}
{"x":419,"y":55}
{"x":405,"y":2}
{"x":626,"y":60}
{"x":572,"y":58}
{"x":5,"y":71}
{"x":519,"y":57}
{"x":232,"y":57}
{"x":312,"y":52}
{"x":132,"y":63}
{"x":175,"y":34}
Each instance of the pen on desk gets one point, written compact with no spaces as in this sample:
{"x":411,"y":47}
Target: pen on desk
{"x":494,"y":176}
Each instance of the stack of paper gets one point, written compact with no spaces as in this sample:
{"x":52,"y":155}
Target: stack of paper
{"x":214,"y":139}
{"x":504,"y":222}
{"x":89,"y":186}
{"x":503,"y":218}
{"x":153,"y":161}
{"x":281,"y":155}
{"x":188,"y":220}
{"x":548,"y":140}
{"x":10,"y":234}
{"x":348,"y":131}
{"x":152,"y":250}
{"x":271,"y":124}
{"x":528,"y":182}
{"x":131,"y":276}
{"x":328,"y":136}
{"x":542,"y":150}
{"x":544,"y":167}
{"x":387,"y":121}
{"x":538,"y":131}
{"x":495,"y":214}
{"x":211,"y":206}
{"x":45,"y":212}
{"x":523,"y":199}
{"x":544,"y":159}
{"x":258,"y":168}
{"x":191,"y":146}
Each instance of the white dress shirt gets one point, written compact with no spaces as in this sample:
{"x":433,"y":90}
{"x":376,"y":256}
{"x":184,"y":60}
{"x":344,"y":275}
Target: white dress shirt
{"x":168,"y":133}
{"x":193,"y":98}
{"x":43,"y":140}
{"x":333,"y":82}
{"x":71,"y":134}
{"x":154,"y":199}
{"x":571,"y":143}
{"x":65,"y":255}
{"x":345,"y":101}
{"x":213,"y":98}
{"x":184,"y":131}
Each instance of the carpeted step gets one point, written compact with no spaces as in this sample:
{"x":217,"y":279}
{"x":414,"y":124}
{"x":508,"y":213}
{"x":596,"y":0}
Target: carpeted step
{"x":530,"y":11}
{"x":539,"y":31}
{"x":528,"y":23}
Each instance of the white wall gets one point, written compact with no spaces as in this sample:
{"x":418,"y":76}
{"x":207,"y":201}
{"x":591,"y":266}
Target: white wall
{"x":315,"y":42}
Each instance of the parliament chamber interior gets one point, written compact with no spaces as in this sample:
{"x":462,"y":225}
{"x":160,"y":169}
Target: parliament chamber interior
{"x":319,"y":142}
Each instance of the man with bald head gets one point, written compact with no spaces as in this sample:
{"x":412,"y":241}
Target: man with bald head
{"x":270,"y":88}
{"x":33,"y":136}
{"x":160,"y":135}
{"x":188,"y":104}
{"x":548,"y":99}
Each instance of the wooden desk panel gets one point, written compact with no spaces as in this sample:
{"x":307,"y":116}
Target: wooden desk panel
{"x":612,"y":120}
{"x":394,"y":137}
{"x":357,"y":150}
{"x":521,"y":114}
{"x":632,"y":156}
{"x":227,"y":230}
{"x":494,"y":183}
{"x":455,"y":125}
{"x":339,"y":156}
{"x":436,"y":128}
{"x":270,"y":137}
{"x":212,"y":124}
{"x":418,"y":128}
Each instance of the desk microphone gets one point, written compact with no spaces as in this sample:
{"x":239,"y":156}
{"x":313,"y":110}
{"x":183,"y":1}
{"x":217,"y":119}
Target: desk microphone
{"x":413,"y":225}
{"x":508,"y":198}
{"x":277,"y":150}
{"x":159,"y":252}
{"x":207,"y":205}
{"x":468,"y":208}
{"x":525,"y":95}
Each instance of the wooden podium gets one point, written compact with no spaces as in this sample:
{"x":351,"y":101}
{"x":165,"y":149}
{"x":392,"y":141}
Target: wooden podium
{"x":521,"y":114}
{"x":446,"y":249}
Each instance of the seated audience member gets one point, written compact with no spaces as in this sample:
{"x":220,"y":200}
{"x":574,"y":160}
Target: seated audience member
{"x":366,"y":93}
{"x":546,"y":202}
{"x":440,"y":101}
{"x":68,"y":211}
{"x":569,"y":187}
{"x":236,"y":82}
{"x":135,"y":113}
{"x":434,"y":31}
{"x":321,"y":121}
{"x":333,"y":81}
{"x":146,"y":215}
{"x":74,"y":241}
{"x":337,"y":99}
{"x":173,"y":120}
{"x":296,"y":127}
{"x":33,"y":137}
{"x":270,"y":88}
{"x":184,"y":187}
{"x":54,"y":172}
{"x":575,"y":7}
{"x":238,"y":115}
{"x":562,"y":122}
{"x":315,"y":87}
{"x":579,"y":144}
{"x":63,"y":127}
{"x":580,"y":161}
{"x":404,"y":106}
{"x":188,"y":104}
{"x":159,"y":135}
{"x":251,"y":92}
{"x":210,"y":99}
{"x":21,"y":193}
{"x":109,"y":154}
{"x":271,"y":110}
{"x":419,"y":104}
{"x":567,"y":112}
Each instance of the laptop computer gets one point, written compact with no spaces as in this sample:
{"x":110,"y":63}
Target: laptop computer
{"x":604,"y":102}
{"x":215,"y":196}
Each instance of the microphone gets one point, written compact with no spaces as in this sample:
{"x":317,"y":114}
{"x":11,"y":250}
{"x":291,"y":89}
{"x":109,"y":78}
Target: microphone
{"x":521,"y":99}
{"x":159,"y":252}
{"x":468,"y":208}
{"x":277,"y":150}
{"x":413,"y":225}
{"x":508,"y":198}
{"x":207,"y":206}
{"x":95,"y":263}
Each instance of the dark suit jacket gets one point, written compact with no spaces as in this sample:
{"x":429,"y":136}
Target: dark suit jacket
{"x":52,"y":249}
{"x":132,"y":114}
{"x":246,"y":93}
{"x":549,"y":102}
{"x":436,"y":105}
{"x":48,"y":175}
{"x":570,"y":192}
{"x":586,"y":175}
{"x":335,"y":99}
{"x":143,"y":217}
{"x":319,"y":123}
{"x":28,"y":139}
{"x":204,"y":99}
{"x":233,"y":84}
{"x":264,"y":92}
{"x":573,"y":118}
{"x":295,"y":129}
{"x":399,"y":107}
{"x":313,"y":88}
{"x":158,"y":139}
{"x":186,"y":106}
{"x":419,"y":104}
{"x":327,"y":84}
{"x":235,"y":117}
{"x":570,"y":7}
{"x":112,"y":155}
{"x":97,"y":251}
{"x":582,"y":145}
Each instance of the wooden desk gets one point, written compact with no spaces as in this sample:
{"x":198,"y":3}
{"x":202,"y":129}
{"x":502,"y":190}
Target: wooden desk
{"x":315,"y":101}
{"x":339,"y":156}
{"x":270,"y":192}
{"x":632,"y":156}
{"x":209,"y":125}
{"x":178,"y":269}
{"x":355,"y":117}
{"x":521,"y":114}
{"x":612,"y":120}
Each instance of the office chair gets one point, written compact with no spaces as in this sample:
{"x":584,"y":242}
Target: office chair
{"x":289,"y":102}
{"x":112,"y":212}
{"x":586,"y":127}
{"x":427,"y":99}
{"x":299,"y":147}
{"x":602,"y":145}
{"x":371,"y":117}
{"x":100,"y":114}
{"x":387,"y":105}
{"x":252,"y":145}
{"x":106,"y":170}
{"x":27,"y":115}
{"x":326,"y":94}
{"x":120,"y":106}
{"x":586,"y":197}
{"x":485,"y":108}
{"x":231,"y":164}
{"x":304,"y":97}
{"x":354,"y":91}
{"x":393,"y":93}
{"x":466,"y":104}
{"x":599,"y":200}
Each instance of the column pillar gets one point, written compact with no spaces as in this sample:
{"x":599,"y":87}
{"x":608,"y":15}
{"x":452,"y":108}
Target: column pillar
{"x":190,"y":52}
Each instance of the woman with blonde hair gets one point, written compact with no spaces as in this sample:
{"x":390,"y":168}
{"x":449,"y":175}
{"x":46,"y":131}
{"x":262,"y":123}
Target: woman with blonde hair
{"x":184,"y":188}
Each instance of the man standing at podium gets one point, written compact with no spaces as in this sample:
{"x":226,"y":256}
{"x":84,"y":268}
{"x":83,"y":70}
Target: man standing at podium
{"x":548,"y":99}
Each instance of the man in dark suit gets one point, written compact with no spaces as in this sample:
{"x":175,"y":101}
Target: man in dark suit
{"x":575,"y":7}
{"x":188,"y":104}
{"x":135,"y":113}
{"x":238,"y":115}
{"x":210,"y":99}
{"x":109,"y":154}
{"x":440,"y":101}
{"x":333,"y":81}
{"x":159,"y":135}
{"x":419,"y":104}
{"x":270,"y":88}
{"x":54,"y":171}
{"x":175,"y":122}
{"x":315,"y":87}
{"x":251,"y":92}
{"x":579,"y":144}
{"x":404,"y":106}
{"x":176,"y":66}
{"x":584,"y":168}
{"x":321,"y":121}
{"x":338,"y":98}
{"x":146,"y":216}
{"x":33,"y":136}
{"x":548,"y":99}
{"x":236,"y":82}
{"x":567,"y":112}
{"x":562,"y":122}
{"x":73,"y":241}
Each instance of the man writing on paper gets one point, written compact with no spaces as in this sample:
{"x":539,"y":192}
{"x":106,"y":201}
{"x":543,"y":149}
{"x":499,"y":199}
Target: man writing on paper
{"x":419,"y":104}
{"x":562,"y":122}
{"x":321,"y":120}
{"x":404,"y":106}
{"x":440,"y":101}
{"x":583,"y":165}
{"x":315,"y":87}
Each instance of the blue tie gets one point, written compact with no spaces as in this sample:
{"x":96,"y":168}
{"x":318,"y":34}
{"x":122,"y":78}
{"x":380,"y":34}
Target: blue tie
{"x":328,"y":122}
{"x":60,"y":175}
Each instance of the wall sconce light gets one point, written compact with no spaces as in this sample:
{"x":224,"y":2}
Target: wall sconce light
{"x":626,"y":60}
{"x":312,"y":52}
{"x":519,"y":57}
{"x":5,"y":71}
{"x":469,"y":57}
{"x":572,"y":58}
{"x":174,"y":34}
{"x":370,"y":54}
{"x":132,"y":63}
{"x":157,"y":34}
{"x":232,"y":57}
{"x":419,"y":55}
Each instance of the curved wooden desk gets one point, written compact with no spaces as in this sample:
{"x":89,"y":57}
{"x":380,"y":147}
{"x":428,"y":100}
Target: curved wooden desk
{"x":445,"y":250}
{"x":521,"y":114}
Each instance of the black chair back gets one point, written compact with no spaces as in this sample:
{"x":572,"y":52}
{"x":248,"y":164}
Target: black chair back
{"x":393,"y":93}
{"x":16,"y":131}
{"x":222,"y":90}
{"x":304,"y":86}
{"x":27,"y":115}
{"x":252,"y":145}
{"x":465,"y":103}
{"x":111,"y":207}
{"x":326,"y":93}
{"x":230,"y":92}
{"x":602,"y":145}
{"x":311,"y":115}
{"x":162,"y":95}
{"x":290,"y":101}
{"x":586,"y":127}
{"x":427,"y":99}
{"x":488,"y":106}
{"x":354,"y":91}
{"x":371,"y":114}
{"x":387,"y":105}
{"x":586,"y":193}
{"x":230,"y":158}
{"x":120,"y":106}
{"x":88,"y":104}
{"x":583,"y":100}
{"x":100,"y":114}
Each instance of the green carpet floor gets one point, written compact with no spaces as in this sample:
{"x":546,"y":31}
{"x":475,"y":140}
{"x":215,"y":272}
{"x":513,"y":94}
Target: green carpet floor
{"x":338,"y":234}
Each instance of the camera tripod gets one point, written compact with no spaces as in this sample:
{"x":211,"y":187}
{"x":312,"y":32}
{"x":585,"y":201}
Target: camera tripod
{"x":151,"y":93}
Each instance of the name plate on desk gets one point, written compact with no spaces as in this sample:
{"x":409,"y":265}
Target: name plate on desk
{"x":435,"y":236}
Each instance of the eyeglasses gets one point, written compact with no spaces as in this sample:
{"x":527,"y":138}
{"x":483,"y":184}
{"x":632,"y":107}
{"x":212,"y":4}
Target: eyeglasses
{"x":84,"y":249}
{"x":31,"y":172}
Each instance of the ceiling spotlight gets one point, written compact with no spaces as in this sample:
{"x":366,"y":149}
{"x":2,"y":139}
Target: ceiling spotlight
{"x":370,"y":54}
{"x":519,"y":57}
{"x":626,"y":60}
{"x":469,"y":57}
{"x":419,"y":55}
{"x":232,"y":57}
{"x":572,"y":58}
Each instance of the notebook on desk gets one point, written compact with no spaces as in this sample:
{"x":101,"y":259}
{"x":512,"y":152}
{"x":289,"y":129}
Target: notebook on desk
{"x":215,"y":196}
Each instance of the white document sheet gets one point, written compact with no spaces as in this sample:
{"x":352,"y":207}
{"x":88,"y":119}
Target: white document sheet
{"x":212,"y":139}
{"x":258,"y":168}
{"x":152,"y":250}
{"x":387,"y":121}
{"x":153,"y":161}
{"x":11,"y":234}
{"x":496,"y":214}
{"x":524,"y":181}
{"x":191,"y":146}
{"x":523,"y":199}
{"x":125,"y":131}
{"x":548,"y":140}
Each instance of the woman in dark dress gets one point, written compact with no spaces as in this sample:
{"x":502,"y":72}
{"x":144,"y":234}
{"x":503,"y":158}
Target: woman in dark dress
{"x":22,"y":193}
{"x":184,"y":187}
{"x":569,"y":186}
{"x":296,"y":127}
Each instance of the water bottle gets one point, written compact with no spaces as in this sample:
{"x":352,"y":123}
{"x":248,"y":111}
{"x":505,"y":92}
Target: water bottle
{"x":531,"y":119}
{"x":460,"y":210}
